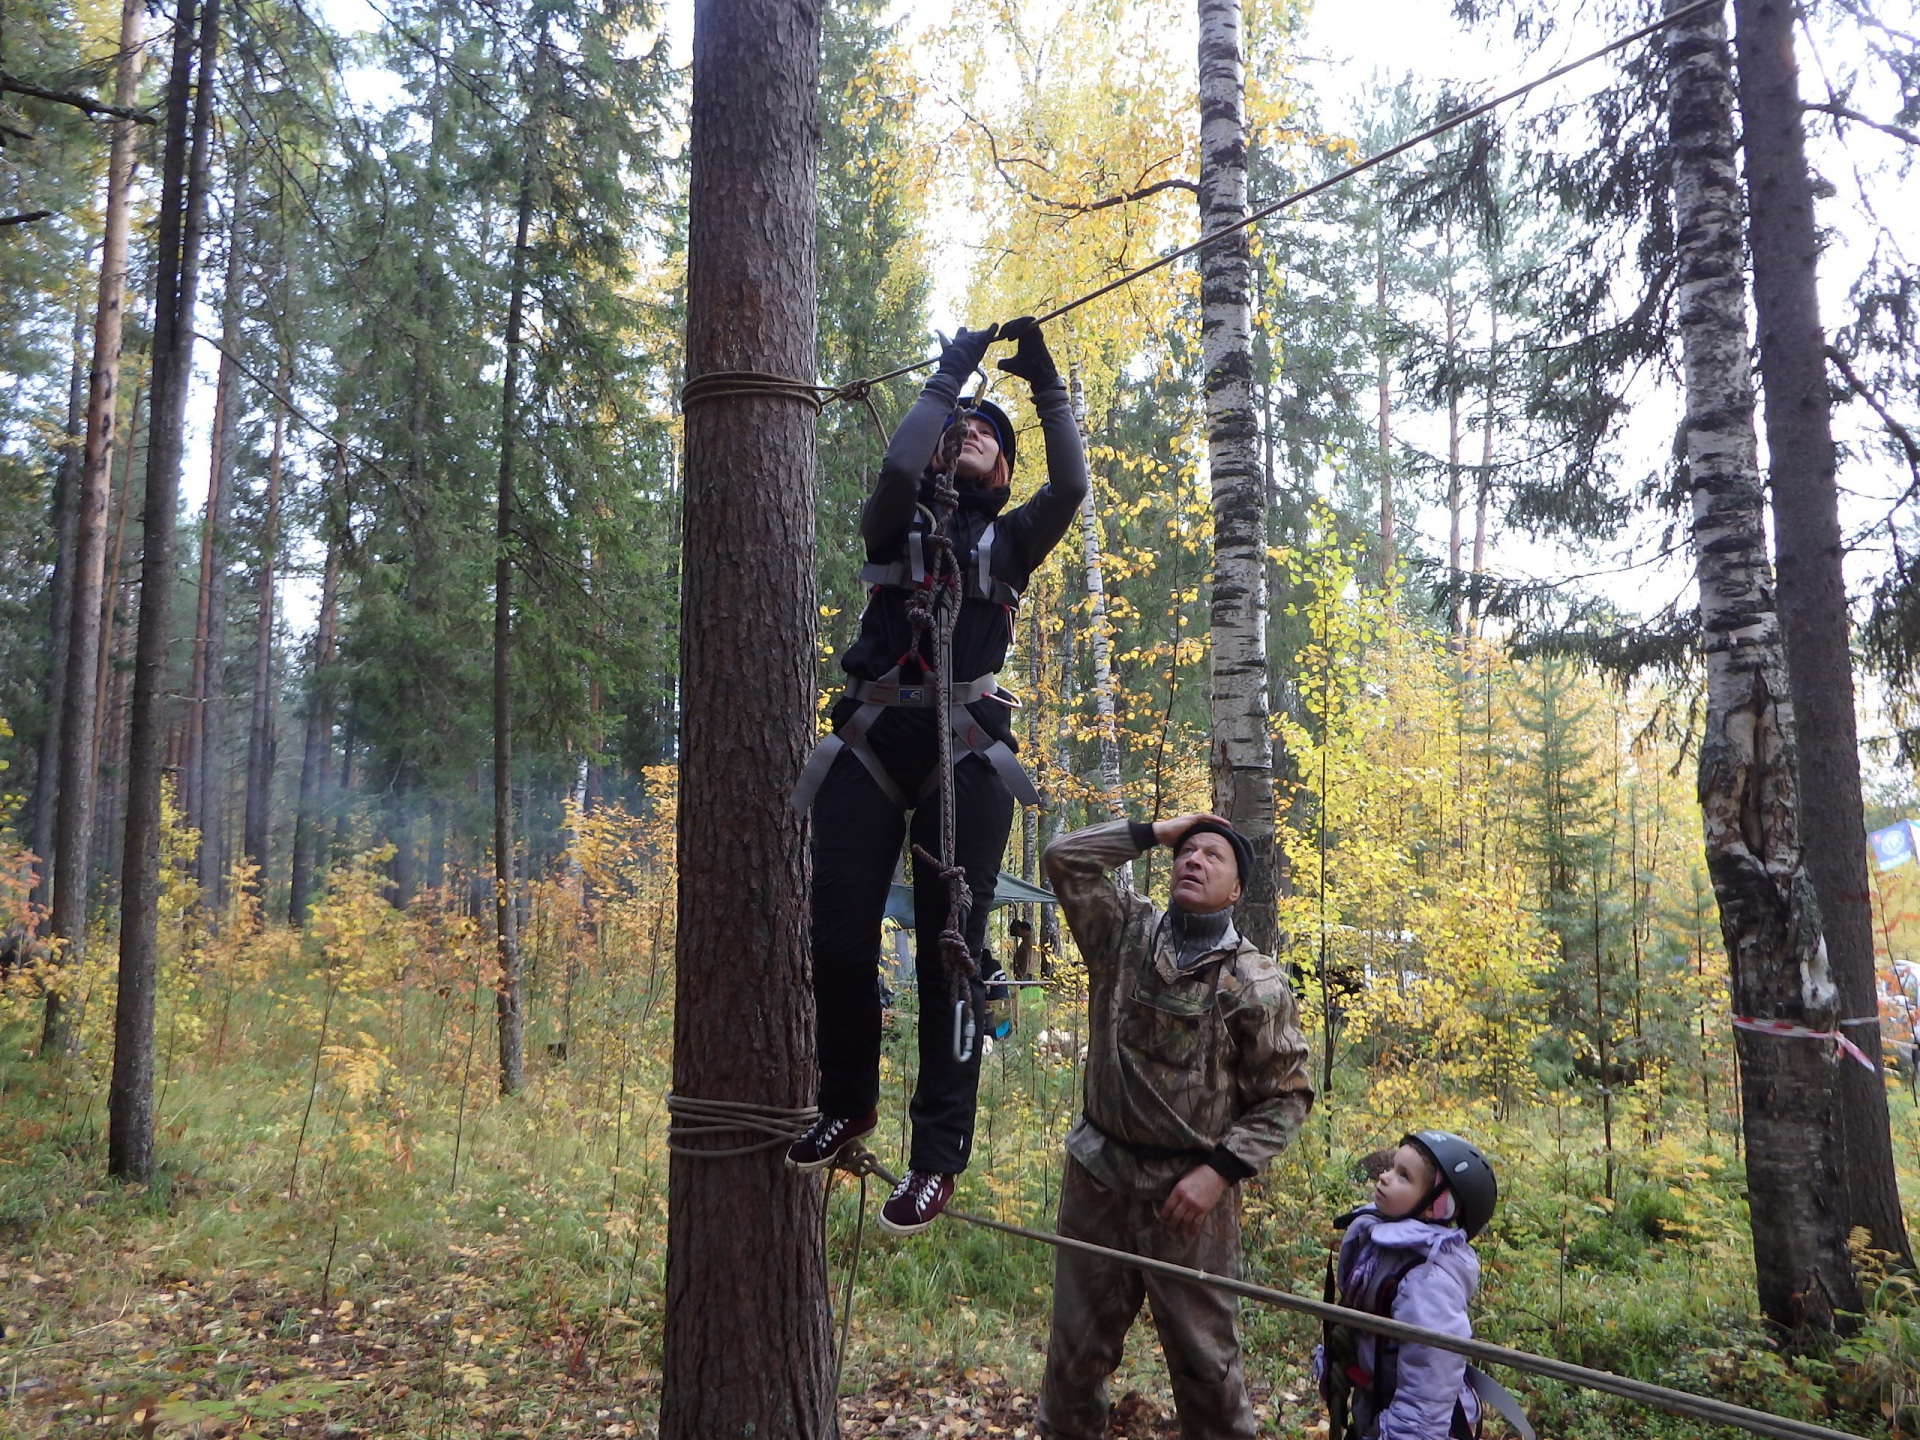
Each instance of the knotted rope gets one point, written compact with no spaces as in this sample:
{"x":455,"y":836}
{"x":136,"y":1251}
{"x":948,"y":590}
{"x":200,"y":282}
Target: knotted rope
{"x":932,"y":612}
{"x":695,"y":1119}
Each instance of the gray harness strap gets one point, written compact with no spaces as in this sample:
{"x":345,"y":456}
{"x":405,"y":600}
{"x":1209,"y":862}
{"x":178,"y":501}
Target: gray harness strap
{"x":977,"y":741}
{"x":1493,"y":1393}
{"x":876,"y":697}
{"x":910,"y":572}
{"x":850,"y":736}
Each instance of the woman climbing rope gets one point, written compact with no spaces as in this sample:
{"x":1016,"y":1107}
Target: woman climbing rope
{"x":882,"y":761}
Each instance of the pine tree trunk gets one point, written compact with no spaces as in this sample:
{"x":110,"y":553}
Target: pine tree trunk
{"x":746,"y":1349}
{"x":183,"y":205}
{"x":318,"y":747}
{"x":202,"y":780}
{"x":1388,"y":553}
{"x":1483,"y":489}
{"x":1242,"y":758}
{"x":511,"y":1018}
{"x":1812,"y":589}
{"x":1100,"y":635}
{"x":1456,"y":623}
{"x":256,"y":827}
{"x":1749,"y":800}
{"x":65,"y":517}
{"x":73,"y":825}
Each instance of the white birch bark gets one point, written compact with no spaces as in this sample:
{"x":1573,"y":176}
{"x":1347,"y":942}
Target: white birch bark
{"x":1242,"y":753}
{"x":1749,"y":801}
{"x":1099,"y":630}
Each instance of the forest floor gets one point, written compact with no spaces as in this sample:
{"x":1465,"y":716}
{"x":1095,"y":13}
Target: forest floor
{"x":338,"y":1248}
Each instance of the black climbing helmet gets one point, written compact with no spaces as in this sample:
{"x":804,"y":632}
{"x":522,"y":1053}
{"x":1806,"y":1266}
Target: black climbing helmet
{"x":1461,"y":1168}
{"x":996,"y":417}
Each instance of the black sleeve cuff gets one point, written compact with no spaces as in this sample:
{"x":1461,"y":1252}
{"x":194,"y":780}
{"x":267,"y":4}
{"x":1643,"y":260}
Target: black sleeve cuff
{"x":1141,"y":833}
{"x":1230,"y":1165}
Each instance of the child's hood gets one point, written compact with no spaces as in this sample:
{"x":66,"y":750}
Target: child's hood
{"x":1441,"y":1246}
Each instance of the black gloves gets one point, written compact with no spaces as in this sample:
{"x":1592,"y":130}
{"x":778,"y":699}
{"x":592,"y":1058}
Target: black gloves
{"x":961,"y":356}
{"x":1030,"y":360}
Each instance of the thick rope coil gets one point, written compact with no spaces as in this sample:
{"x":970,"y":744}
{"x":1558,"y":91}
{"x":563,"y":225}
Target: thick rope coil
{"x":734,"y":384}
{"x":695,"y":1119}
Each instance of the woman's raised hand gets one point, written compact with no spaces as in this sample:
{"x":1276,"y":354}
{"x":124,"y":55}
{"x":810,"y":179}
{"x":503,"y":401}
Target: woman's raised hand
{"x":1031,"y":360}
{"x":961,"y":355}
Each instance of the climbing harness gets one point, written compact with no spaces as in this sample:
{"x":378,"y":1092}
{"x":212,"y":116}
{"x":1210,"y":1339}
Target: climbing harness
{"x":858,"y":1160}
{"x":933,"y":610}
{"x":936,"y":585}
{"x":1340,"y":1352}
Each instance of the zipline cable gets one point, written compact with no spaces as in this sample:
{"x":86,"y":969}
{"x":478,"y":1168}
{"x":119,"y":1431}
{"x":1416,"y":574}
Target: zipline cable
{"x":1660,"y":1397}
{"x":1275,"y":207}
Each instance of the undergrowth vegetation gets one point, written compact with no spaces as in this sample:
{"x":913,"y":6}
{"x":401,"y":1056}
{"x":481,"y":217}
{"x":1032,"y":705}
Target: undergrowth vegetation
{"x":354,"y":1235}
{"x":1498,"y":925}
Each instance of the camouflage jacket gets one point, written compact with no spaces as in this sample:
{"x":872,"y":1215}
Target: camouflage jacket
{"x":1183,"y":1066}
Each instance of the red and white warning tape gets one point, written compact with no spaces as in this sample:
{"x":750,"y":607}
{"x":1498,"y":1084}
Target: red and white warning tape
{"x":1802,"y":1032}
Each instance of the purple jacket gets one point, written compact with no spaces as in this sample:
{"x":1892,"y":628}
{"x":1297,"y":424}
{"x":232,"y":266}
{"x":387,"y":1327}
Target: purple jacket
{"x":1434,"y":1294}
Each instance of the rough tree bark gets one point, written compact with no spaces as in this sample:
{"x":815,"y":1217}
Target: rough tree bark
{"x":1749,"y":797}
{"x":65,"y":517}
{"x":510,"y":1017}
{"x":1242,"y":759}
{"x":317,"y":750}
{"x":183,"y":207}
{"x":256,"y":827}
{"x":202,"y":777}
{"x":746,"y":1349}
{"x":73,"y":824}
{"x":1813,"y":592}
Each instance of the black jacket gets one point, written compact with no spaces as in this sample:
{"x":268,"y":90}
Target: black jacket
{"x":1022,"y":539}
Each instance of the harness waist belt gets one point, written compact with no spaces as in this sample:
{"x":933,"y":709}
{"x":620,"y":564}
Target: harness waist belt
{"x":922,"y":694}
{"x":875,"y":698}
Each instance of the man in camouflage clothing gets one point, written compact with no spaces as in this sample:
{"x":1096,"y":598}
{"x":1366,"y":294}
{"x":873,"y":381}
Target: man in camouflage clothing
{"x":1196,"y":1077}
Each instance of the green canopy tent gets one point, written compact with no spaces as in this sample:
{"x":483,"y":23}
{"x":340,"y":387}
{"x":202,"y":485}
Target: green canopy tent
{"x":1007,"y":890}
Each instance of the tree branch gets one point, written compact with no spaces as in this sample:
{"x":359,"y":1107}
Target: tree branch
{"x":1908,"y":445}
{"x":84,"y":103}
{"x":1845,"y":112}
{"x":1066,"y":207}
{"x":24,"y":219}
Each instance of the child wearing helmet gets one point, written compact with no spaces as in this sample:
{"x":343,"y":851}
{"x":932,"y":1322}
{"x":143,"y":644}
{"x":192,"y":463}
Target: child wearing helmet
{"x":1407,"y":1256}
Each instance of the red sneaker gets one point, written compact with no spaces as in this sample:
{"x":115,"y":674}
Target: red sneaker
{"x":826,"y":1138}
{"x":916,"y":1200}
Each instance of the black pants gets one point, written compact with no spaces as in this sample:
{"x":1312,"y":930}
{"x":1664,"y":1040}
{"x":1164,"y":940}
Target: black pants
{"x":857,"y":834}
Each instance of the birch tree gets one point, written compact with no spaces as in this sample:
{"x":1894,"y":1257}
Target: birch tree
{"x":1242,"y":754}
{"x":1749,"y":780}
{"x":1100,"y":639}
{"x":1801,"y":463}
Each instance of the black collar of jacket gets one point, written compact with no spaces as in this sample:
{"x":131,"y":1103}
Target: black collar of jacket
{"x":983,"y":502}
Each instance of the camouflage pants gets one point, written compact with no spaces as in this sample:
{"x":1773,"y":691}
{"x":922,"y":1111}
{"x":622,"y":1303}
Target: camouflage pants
{"x":1095,"y":1302}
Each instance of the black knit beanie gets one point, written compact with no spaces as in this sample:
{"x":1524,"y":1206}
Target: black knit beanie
{"x":1242,"y":847}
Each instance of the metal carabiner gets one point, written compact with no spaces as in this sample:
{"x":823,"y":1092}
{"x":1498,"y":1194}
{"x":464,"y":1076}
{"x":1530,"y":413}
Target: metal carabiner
{"x":965,"y":1028}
